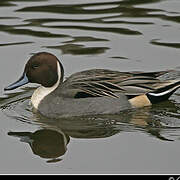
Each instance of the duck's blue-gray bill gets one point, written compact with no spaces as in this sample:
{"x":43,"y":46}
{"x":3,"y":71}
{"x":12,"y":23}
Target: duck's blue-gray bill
{"x":22,"y":81}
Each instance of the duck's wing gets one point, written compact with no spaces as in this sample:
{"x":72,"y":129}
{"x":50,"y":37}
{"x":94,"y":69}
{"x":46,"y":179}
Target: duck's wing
{"x":100,"y":82}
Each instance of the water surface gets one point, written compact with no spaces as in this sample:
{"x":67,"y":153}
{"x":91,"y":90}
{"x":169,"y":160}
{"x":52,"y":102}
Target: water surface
{"x":125,"y":35}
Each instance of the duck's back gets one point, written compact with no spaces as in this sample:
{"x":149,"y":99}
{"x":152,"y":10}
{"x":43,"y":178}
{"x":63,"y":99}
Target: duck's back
{"x":103,"y":82}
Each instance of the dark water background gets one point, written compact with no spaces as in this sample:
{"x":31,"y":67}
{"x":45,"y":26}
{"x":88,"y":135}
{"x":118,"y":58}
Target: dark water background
{"x":125,"y":35}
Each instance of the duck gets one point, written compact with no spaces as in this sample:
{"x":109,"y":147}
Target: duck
{"x":90,"y":92}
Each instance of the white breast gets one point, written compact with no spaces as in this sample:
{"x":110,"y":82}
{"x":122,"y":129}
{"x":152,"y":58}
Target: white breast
{"x":42,"y":91}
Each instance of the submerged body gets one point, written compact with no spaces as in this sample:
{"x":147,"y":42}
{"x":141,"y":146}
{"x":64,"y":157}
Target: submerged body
{"x":96,"y":91}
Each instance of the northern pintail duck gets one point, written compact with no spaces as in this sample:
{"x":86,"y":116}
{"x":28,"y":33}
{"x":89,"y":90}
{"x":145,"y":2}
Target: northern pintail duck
{"x":95,"y":91}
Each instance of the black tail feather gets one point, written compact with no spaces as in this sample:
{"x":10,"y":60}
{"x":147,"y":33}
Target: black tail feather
{"x":163,"y":93}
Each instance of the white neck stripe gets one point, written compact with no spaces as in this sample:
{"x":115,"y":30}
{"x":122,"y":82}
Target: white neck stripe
{"x":41,"y":92}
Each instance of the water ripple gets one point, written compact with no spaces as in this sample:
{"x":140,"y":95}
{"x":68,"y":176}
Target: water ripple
{"x":168,"y":44}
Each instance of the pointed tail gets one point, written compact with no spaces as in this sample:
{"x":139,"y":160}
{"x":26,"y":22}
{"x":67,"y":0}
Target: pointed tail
{"x":163,"y":93}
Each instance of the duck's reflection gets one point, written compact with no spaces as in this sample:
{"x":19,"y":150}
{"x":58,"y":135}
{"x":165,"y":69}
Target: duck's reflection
{"x":52,"y":139}
{"x":45,"y":143}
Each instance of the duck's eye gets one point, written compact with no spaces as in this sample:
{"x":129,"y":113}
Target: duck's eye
{"x":35,"y":66}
